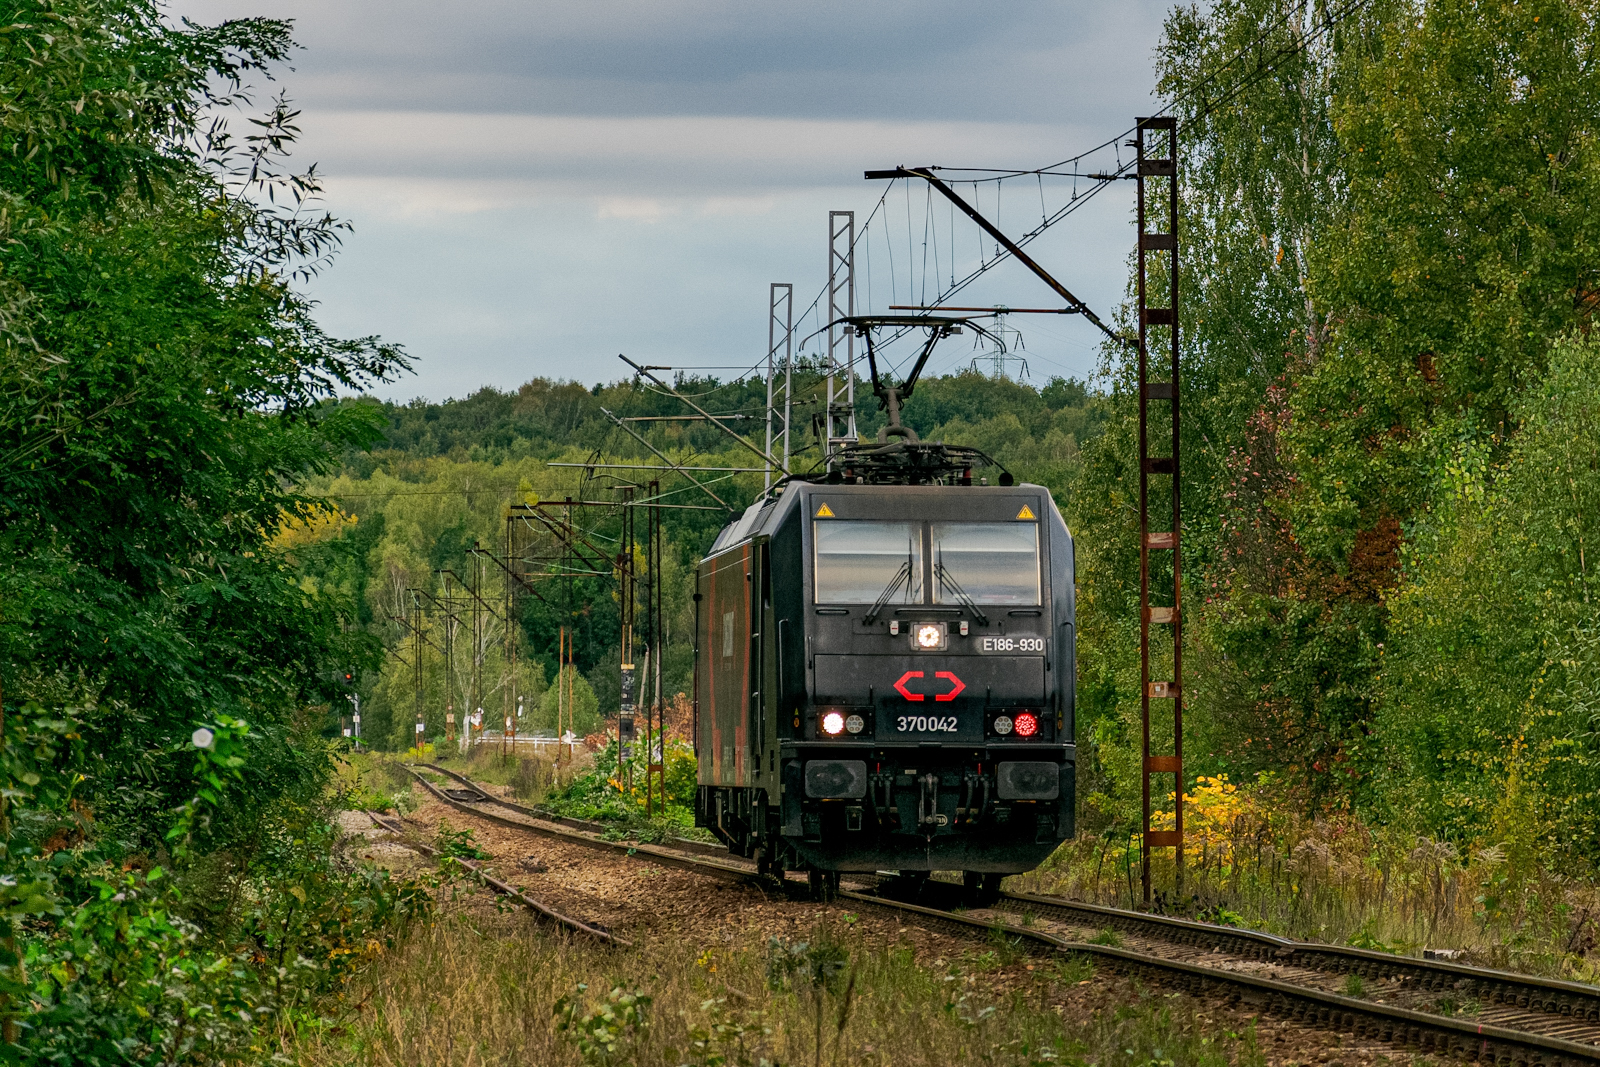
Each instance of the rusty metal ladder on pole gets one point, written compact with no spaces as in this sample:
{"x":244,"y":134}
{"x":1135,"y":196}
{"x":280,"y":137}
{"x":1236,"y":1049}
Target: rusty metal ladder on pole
{"x":1158,"y":325}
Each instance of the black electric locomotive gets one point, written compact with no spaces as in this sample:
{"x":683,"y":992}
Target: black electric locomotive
{"x":885,"y":667}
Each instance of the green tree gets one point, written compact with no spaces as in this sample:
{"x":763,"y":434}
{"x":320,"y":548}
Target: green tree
{"x":1467,"y":134}
{"x":163,"y":389}
{"x":571,"y":696}
{"x":1251,"y":82}
{"x":1388,"y":225}
{"x":1491,"y":676}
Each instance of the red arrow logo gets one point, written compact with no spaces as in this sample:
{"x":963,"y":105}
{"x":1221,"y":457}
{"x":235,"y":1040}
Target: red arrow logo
{"x":960,"y":685}
{"x":900,"y":687}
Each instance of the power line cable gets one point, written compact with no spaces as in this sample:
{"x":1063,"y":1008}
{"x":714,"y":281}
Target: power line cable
{"x":1101,"y":180}
{"x":1264,"y":68}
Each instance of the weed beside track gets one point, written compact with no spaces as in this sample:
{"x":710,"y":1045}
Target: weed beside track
{"x":485,"y":988}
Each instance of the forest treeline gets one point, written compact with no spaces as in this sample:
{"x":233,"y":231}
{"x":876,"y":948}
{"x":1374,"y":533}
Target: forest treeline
{"x":415,"y":506}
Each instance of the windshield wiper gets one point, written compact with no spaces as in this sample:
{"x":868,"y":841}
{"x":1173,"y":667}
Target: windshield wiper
{"x":903,"y":574}
{"x":948,"y":581}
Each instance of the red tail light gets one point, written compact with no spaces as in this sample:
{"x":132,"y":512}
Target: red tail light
{"x":1027,"y":724}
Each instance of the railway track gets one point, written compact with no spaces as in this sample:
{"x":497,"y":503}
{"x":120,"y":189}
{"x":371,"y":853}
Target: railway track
{"x":504,"y":889}
{"x":1420,"y":1004}
{"x":1565,"y":1010}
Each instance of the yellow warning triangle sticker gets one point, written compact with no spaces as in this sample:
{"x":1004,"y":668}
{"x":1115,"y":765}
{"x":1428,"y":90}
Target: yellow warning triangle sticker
{"x":824,"y":512}
{"x":1026,"y":513}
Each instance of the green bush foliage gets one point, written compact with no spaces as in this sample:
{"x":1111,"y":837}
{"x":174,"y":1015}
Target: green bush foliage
{"x":167,"y":865}
{"x":1491,"y":678}
{"x":610,"y":793}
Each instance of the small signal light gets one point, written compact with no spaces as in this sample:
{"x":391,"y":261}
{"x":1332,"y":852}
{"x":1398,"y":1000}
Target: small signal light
{"x":1002,"y":725}
{"x":1027,"y":724}
{"x":833,"y":724}
{"x":855,"y":724}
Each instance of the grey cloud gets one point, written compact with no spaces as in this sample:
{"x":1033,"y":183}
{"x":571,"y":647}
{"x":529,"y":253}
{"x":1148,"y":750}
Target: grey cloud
{"x":1029,"y":60}
{"x":538,"y":186}
{"x":656,"y":155}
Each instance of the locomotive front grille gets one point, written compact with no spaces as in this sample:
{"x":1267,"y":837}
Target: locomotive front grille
{"x":836,"y":779}
{"x":1028,"y":780}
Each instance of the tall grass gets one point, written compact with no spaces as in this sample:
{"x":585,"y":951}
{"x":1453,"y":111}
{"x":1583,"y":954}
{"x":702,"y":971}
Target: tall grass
{"x":493,"y":990}
{"x":531,"y":777}
{"x":1251,"y":862}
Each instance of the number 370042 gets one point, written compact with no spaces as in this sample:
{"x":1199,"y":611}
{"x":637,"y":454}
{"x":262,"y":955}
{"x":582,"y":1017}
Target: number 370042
{"x":926,"y":724}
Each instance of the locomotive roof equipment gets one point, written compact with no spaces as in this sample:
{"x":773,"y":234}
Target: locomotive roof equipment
{"x":906,"y":460}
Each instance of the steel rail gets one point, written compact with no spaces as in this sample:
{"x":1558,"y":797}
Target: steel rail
{"x":504,"y":889}
{"x":1301,"y":1003}
{"x":665,"y":857}
{"x":682,"y":844}
{"x":1435,"y":1034}
{"x":1573,"y":1000}
{"x":1568,"y":1010}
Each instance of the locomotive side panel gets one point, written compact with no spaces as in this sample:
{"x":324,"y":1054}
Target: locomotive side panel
{"x":789,"y":618}
{"x":1063,"y":582}
{"x":1064,"y":592}
{"x":725,"y":668}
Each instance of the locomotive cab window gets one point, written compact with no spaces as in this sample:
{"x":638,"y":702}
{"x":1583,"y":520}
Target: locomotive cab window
{"x":991,"y":562}
{"x":856,"y":562}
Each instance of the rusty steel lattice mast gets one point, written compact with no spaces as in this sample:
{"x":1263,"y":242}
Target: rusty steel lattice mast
{"x":417,"y":677}
{"x":655,"y":720}
{"x":1158,"y":327}
{"x":627,"y":602}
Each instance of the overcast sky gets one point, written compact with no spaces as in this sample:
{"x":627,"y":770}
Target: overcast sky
{"x":538,"y":186}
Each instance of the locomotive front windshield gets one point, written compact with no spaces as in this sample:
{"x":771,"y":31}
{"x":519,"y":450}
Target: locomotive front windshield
{"x":857,"y":561}
{"x":991,"y":562}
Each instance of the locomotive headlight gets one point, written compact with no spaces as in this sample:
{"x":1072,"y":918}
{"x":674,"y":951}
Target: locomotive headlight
{"x":1027,"y":724}
{"x":833,"y":724}
{"x":1002,"y":725}
{"x":929,"y":635}
{"x":855,"y":724}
